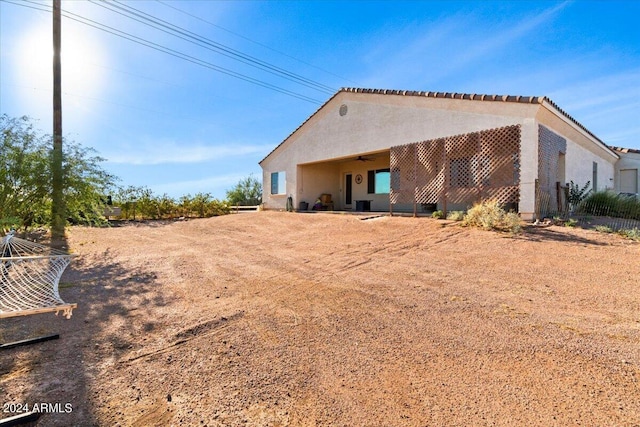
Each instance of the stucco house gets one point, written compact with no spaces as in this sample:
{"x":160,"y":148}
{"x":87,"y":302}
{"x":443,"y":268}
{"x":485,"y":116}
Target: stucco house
{"x":409,"y":151}
{"x":627,"y":170}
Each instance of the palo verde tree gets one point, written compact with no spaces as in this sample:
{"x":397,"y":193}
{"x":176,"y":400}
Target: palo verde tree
{"x":247,"y":192}
{"x":26,"y":178}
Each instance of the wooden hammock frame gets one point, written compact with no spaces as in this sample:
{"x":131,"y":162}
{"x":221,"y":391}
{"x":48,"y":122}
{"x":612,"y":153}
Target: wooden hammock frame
{"x":65,"y":308}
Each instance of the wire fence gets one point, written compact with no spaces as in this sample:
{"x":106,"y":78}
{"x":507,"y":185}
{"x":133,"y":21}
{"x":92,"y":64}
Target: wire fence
{"x":610,"y":210}
{"x":601,"y":209}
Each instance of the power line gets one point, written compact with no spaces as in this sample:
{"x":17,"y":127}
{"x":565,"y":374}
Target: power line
{"x":184,"y":34}
{"x":147,"y":43}
{"x":104,"y":101}
{"x":164,"y":3}
{"x":36,"y":6}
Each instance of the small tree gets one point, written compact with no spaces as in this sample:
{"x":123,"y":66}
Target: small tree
{"x":247,"y":192}
{"x":577,"y":194}
{"x":26,"y":178}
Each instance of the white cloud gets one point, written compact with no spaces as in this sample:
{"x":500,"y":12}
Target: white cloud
{"x":612,"y":89}
{"x":607,"y":105}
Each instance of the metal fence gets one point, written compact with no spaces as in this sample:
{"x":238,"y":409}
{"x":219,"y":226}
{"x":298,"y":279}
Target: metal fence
{"x":609,"y":210}
{"x":602,"y":209}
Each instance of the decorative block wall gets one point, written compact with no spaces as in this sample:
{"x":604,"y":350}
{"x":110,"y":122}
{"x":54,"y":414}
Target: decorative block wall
{"x":459,"y":170}
{"x":550,"y":147}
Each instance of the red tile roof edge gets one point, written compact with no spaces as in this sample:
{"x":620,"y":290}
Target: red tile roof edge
{"x":625,"y":150}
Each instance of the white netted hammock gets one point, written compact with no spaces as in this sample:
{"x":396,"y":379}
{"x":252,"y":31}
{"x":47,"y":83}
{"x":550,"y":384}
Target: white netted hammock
{"x":29,"y":277}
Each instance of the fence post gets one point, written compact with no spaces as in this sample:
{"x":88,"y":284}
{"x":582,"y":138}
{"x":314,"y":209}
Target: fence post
{"x":536,"y":207}
{"x":415,"y":180}
{"x":445,"y":185}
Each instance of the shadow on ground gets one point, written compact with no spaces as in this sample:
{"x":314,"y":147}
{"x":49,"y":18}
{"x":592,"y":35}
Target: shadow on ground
{"x":59,"y":372}
{"x":542,"y":234}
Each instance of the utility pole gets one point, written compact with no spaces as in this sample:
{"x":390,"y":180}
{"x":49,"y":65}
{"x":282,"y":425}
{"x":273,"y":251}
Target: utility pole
{"x":57,"y":205}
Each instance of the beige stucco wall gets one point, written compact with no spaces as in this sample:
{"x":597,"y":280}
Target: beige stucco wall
{"x":316,"y":179}
{"x":528,"y":168}
{"x":579,"y":167}
{"x":376,"y":122}
{"x":582,"y":151}
{"x":627,"y":161}
{"x":278,"y":201}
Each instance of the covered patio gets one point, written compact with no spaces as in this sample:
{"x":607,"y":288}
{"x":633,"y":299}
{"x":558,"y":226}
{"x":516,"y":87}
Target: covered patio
{"x":356,"y":183}
{"x":445,"y":173}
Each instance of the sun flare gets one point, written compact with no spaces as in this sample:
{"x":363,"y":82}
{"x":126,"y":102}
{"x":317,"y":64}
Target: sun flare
{"x":81,"y":59}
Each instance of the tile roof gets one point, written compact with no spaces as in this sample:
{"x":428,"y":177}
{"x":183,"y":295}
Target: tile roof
{"x":625,"y":150}
{"x":450,"y":95}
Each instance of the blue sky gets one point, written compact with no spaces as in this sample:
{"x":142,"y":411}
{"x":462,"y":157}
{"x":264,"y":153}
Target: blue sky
{"x":178,"y":127}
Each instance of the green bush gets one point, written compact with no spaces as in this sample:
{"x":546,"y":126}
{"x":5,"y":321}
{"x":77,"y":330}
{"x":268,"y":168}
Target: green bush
{"x":577,"y":194}
{"x":489,"y":215}
{"x":247,"y":192}
{"x":571,"y":223}
{"x":437,"y":215}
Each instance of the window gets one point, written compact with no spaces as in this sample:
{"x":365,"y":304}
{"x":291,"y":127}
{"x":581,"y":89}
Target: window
{"x":594,"y":183}
{"x":278,"y":183}
{"x":379,"y":181}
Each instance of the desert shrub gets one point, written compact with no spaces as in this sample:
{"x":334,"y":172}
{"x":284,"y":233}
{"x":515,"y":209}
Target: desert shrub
{"x":603,"y":229}
{"x":571,"y":223}
{"x":140,"y":203}
{"x":633,"y":233}
{"x":512,"y":222}
{"x":202,"y":205}
{"x":455,"y":215}
{"x":437,"y":214}
{"x":489,"y":215}
{"x":217,"y":207}
{"x":628,"y":207}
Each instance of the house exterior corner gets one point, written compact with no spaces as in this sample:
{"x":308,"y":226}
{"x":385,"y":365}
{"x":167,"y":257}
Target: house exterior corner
{"x":411,"y":151}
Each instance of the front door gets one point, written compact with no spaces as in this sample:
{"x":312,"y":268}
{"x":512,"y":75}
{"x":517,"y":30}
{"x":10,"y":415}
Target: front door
{"x":348,"y":190}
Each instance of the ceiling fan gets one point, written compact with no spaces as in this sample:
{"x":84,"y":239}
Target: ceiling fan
{"x":363,"y":159}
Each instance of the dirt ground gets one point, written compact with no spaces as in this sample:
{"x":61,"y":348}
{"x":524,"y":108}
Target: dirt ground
{"x":280,"y":319}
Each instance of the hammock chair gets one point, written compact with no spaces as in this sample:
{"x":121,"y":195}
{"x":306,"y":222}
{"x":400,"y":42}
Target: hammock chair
{"x":29,"y":276}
